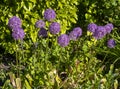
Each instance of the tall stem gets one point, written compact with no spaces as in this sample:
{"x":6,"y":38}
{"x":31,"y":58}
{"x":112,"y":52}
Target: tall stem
{"x":17,"y":62}
{"x":22,"y":51}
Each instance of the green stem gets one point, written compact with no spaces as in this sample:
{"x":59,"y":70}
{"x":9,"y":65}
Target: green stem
{"x":17,"y":63}
{"x":35,"y":57}
{"x":39,"y":48}
{"x":22,"y":51}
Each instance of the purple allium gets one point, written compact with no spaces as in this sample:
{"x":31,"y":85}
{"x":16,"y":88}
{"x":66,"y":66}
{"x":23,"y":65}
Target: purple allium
{"x":49,"y":14}
{"x":77,"y":32}
{"x":40,"y":24}
{"x":54,"y":28}
{"x":92,"y":27}
{"x":18,"y":34}
{"x":14,"y":22}
{"x":111,"y":43}
{"x":109,"y":27}
{"x":100,"y":32}
{"x":42,"y":32}
{"x":63,"y":40}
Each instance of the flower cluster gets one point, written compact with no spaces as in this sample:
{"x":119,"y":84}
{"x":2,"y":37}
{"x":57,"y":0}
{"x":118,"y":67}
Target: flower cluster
{"x":108,"y":27}
{"x":75,"y":33}
{"x":40,"y":24}
{"x":15,"y":24}
{"x":100,"y":31}
{"x":111,"y":43}
{"x":42,"y":32}
{"x":92,"y":27}
{"x":54,"y":28}
{"x":18,"y":33}
{"x":49,"y":14}
{"x":63,"y":40}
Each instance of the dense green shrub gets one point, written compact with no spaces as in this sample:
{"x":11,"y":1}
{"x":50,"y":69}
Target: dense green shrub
{"x":30,"y":12}
{"x":42,"y":63}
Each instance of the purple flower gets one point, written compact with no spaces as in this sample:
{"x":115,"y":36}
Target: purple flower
{"x":49,"y":14}
{"x":18,"y":34}
{"x":42,"y":32}
{"x":111,"y":43}
{"x":14,"y":22}
{"x":54,"y":28}
{"x":100,"y":32}
{"x":40,"y":24}
{"x":63,"y":40}
{"x":109,"y":27}
{"x":92,"y":27}
{"x":77,"y":32}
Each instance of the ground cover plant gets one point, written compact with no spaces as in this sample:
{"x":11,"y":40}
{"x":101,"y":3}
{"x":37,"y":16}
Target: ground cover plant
{"x":67,"y":44}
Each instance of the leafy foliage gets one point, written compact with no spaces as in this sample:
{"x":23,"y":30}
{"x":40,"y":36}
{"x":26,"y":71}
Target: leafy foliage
{"x":43,"y":64}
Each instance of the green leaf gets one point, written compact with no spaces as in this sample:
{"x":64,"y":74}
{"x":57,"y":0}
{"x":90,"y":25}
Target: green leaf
{"x":29,"y":78}
{"x":7,"y":85}
{"x":73,"y":20}
{"x":85,"y":48}
{"x":27,"y":85}
{"x":34,"y":1}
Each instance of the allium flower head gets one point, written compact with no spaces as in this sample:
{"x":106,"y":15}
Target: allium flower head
{"x":77,"y":32}
{"x":54,"y":28}
{"x":40,"y":24}
{"x":42,"y":32}
{"x":109,"y":27}
{"x":63,"y":40}
{"x":14,"y":22}
{"x":111,"y":43}
{"x":49,"y":14}
{"x":18,"y":34}
{"x":92,"y":27}
{"x":100,"y":32}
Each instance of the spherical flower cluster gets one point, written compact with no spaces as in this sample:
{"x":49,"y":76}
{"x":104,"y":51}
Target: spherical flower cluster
{"x":63,"y":40}
{"x":40,"y":24}
{"x":14,"y":22}
{"x":42,"y":32}
{"x":100,"y":32}
{"x":54,"y":28}
{"x":77,"y":32}
{"x":109,"y":27}
{"x":18,"y":34}
{"x":49,"y":14}
{"x":92,"y":27}
{"x":111,"y":43}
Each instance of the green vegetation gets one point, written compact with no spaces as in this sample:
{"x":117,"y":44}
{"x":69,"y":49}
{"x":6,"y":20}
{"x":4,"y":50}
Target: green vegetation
{"x":36,"y":61}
